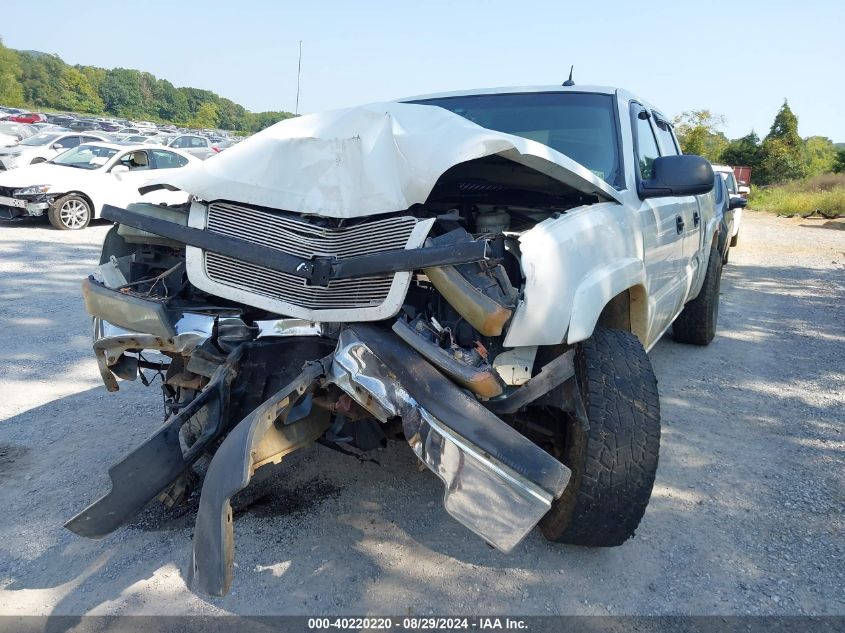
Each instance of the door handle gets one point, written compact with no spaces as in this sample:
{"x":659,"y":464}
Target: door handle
{"x":679,"y":224}
{"x":696,"y":218}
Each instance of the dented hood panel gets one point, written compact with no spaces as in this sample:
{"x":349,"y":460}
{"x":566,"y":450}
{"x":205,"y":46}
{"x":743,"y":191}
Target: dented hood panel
{"x":371,"y":159}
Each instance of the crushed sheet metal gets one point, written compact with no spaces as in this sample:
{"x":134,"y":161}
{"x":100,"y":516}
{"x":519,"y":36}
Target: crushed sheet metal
{"x":483,"y":494}
{"x":362,"y":161}
{"x":193,"y":330}
{"x":289,"y":327}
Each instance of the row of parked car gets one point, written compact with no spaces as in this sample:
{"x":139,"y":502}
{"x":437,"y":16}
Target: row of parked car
{"x":14,"y":123}
{"x":68,"y":166}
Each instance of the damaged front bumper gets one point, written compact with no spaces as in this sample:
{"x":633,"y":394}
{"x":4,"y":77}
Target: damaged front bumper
{"x":498,"y":483}
{"x":12,"y":207}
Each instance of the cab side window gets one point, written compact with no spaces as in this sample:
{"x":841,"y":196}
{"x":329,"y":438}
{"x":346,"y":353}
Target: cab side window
{"x":647,"y":151}
{"x":667,"y":140}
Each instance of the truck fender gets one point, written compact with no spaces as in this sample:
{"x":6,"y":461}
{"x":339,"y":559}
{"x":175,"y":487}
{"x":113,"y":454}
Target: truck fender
{"x":597,"y":289}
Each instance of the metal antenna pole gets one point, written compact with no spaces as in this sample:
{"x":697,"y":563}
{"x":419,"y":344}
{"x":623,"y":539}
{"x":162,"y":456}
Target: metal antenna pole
{"x":298,"y":75}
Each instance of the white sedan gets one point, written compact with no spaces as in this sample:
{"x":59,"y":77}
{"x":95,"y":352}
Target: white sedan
{"x":42,"y":147}
{"x":73,"y":187}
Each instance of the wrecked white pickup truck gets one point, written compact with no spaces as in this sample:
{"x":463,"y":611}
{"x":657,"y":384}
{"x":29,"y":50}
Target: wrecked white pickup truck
{"x":478,"y":273}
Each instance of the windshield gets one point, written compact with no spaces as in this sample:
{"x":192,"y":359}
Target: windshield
{"x":85,"y":157}
{"x":579,"y":125}
{"x":40,"y":139}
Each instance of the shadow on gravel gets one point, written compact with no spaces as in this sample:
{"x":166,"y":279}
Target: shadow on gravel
{"x":42,"y":308}
{"x":728,"y":520}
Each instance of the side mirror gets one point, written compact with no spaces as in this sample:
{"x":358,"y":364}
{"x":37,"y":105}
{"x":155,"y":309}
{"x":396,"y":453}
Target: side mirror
{"x":686,"y":175}
{"x":58,"y":146}
{"x":738,"y":202}
{"x":118,"y":170}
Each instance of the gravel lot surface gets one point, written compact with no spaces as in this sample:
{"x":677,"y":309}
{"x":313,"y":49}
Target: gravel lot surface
{"x":746,"y":516}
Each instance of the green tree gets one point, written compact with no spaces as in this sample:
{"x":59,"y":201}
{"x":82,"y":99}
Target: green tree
{"x":230,"y":115}
{"x":820,"y":154}
{"x":171,"y":103}
{"x":96,"y":76}
{"x":121,"y":93}
{"x":743,"y":151}
{"x":257,"y":121}
{"x":206,"y":116}
{"x":782,"y":154}
{"x":77,"y":94}
{"x":11,"y":92}
{"x":41,"y":79}
{"x":839,"y":165}
{"x":785,"y":126}
{"x":198,"y":98}
{"x":698,"y":132}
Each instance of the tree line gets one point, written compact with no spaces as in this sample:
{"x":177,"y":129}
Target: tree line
{"x":782,"y":155}
{"x":40,"y":80}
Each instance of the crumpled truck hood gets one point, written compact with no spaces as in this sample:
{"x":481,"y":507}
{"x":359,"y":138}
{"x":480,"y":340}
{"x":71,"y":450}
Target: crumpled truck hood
{"x":372,"y":159}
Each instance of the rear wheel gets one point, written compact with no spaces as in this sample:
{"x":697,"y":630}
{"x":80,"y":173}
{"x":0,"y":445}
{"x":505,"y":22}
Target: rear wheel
{"x":70,"y":213}
{"x":735,"y":239}
{"x":696,"y":324}
{"x":613,"y":462}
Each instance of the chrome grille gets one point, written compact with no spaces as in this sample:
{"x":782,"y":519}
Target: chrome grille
{"x":303,"y":239}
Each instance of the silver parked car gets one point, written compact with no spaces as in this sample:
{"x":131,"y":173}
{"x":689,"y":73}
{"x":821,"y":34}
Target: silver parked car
{"x":199,"y":146}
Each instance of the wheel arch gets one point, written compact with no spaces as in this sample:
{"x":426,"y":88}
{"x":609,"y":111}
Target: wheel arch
{"x":94,"y":211}
{"x":613,"y":296}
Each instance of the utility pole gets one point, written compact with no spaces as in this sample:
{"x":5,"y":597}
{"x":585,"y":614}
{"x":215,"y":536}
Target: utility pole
{"x":298,"y":75}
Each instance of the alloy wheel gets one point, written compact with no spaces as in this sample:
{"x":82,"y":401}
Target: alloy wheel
{"x":74,"y":214}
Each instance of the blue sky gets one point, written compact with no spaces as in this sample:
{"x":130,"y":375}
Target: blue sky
{"x":739,"y":59}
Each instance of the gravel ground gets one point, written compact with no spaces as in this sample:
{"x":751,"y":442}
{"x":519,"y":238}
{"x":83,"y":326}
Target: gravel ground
{"x":746,"y":514}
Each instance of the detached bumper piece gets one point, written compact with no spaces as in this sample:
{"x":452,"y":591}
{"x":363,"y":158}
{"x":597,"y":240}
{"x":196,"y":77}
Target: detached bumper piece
{"x":499,"y":484}
{"x":269,"y":432}
{"x":145,"y":472}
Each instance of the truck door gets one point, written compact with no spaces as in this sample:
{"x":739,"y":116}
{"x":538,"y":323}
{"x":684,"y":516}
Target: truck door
{"x":691,"y":209}
{"x":663,"y":223}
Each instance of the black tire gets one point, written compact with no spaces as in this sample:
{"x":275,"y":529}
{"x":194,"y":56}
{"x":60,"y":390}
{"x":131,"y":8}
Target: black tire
{"x":70,"y":213}
{"x":696,"y":324}
{"x":727,"y":255}
{"x":735,"y":239}
{"x":614,"y":462}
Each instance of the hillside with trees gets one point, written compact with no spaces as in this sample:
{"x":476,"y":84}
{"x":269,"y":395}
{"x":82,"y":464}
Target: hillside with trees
{"x":42,"y":81}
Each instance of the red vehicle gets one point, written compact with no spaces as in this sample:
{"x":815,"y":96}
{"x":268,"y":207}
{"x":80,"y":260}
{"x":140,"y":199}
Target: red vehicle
{"x":28,"y":117}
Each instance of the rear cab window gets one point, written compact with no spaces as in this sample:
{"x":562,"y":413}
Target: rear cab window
{"x":666,"y":137}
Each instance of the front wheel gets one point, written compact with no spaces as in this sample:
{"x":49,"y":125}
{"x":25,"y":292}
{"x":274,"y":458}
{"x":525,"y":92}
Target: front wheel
{"x":614,"y":461}
{"x":70,"y":213}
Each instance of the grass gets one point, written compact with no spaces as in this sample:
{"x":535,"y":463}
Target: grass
{"x":822,"y":194}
